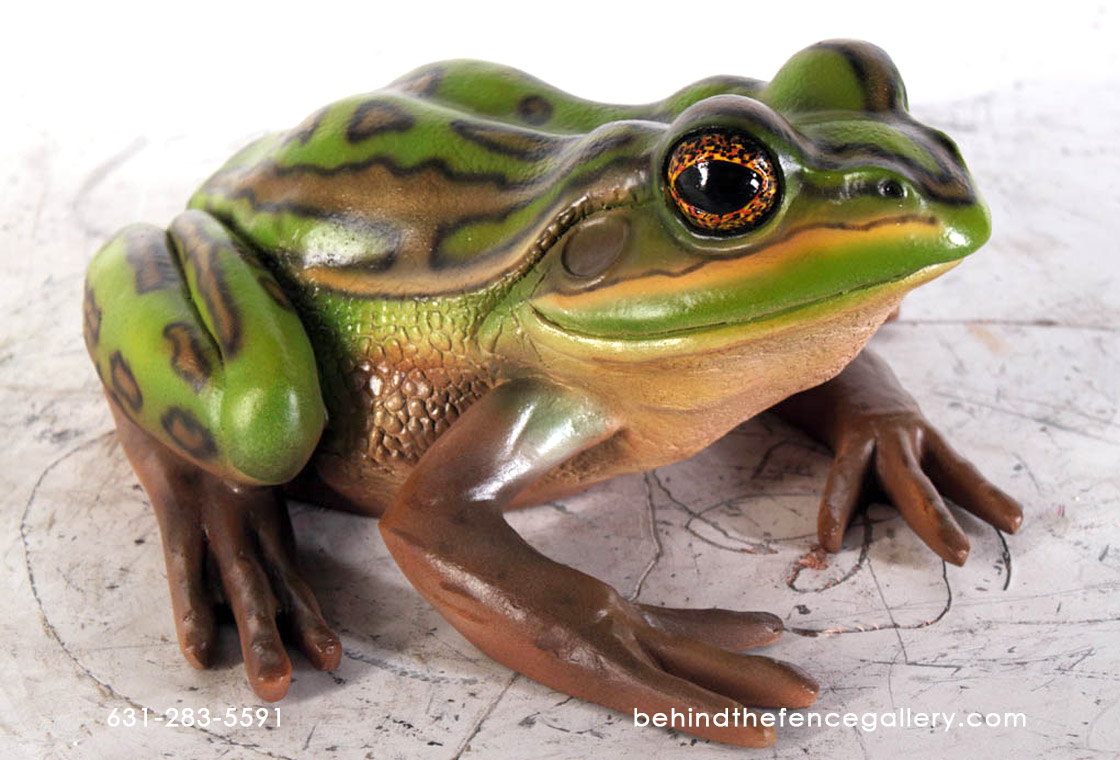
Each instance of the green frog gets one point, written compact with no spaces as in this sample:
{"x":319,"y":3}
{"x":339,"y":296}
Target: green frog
{"x":470,"y":292}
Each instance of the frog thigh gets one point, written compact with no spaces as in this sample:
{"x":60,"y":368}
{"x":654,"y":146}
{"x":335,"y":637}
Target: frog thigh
{"x":195,"y":342}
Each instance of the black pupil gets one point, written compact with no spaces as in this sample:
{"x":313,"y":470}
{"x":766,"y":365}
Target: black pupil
{"x":718,"y":187}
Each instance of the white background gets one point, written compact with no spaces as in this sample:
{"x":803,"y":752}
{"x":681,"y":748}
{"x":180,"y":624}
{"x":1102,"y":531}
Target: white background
{"x":156,"y":67}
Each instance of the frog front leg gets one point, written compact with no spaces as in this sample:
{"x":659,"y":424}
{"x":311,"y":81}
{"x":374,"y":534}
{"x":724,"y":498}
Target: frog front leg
{"x":550,"y":622}
{"x":876,"y":429}
{"x":214,"y":390}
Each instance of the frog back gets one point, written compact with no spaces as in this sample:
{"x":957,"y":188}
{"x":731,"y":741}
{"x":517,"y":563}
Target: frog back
{"x":449,"y":180}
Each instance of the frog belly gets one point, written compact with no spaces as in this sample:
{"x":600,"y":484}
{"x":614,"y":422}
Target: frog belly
{"x":674,"y":405}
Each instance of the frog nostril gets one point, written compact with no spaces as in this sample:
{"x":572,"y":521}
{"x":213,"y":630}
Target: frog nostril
{"x":891,"y":188}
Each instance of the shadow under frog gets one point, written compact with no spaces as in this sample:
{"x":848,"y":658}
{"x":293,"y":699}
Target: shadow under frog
{"x":470,"y":292}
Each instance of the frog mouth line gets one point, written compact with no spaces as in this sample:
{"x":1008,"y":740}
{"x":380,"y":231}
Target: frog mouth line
{"x":921,"y":275}
{"x":874,"y":224}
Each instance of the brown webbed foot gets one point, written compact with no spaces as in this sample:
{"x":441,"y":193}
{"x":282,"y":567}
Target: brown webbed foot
{"x":659,"y":660}
{"x":879,"y":434}
{"x":575,"y":634}
{"x":914,"y":466}
{"x":245,"y":533}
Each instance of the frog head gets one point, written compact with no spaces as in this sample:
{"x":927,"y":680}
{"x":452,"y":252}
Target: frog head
{"x":818,"y":198}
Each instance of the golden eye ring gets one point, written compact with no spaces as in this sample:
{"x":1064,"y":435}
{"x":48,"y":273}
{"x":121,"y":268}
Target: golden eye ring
{"x":723,"y":182}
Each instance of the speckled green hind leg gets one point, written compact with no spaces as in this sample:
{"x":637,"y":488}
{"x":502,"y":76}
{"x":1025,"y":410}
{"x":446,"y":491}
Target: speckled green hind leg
{"x":215,"y":395}
{"x":198,"y":346}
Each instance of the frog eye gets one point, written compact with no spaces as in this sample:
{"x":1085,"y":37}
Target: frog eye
{"x":723,"y":182}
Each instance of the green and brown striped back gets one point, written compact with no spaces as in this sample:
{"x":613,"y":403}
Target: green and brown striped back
{"x":444,"y":182}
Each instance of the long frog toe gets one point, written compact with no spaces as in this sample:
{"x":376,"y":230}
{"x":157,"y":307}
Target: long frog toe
{"x":250,"y":536}
{"x":748,"y":679}
{"x":958,"y":479}
{"x":917,"y":470}
{"x":191,"y":603}
{"x":897,"y":464}
{"x":879,"y":435}
{"x":229,"y":518}
{"x":233,"y":541}
{"x":727,"y":629}
{"x":316,"y":639}
{"x":843,"y":491}
{"x":687,"y":674}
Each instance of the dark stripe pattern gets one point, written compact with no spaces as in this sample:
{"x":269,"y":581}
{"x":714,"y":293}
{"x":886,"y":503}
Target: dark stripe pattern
{"x":375,"y":117}
{"x":124,"y":382}
{"x":202,"y":252}
{"x":188,"y":433}
{"x":187,"y":357}
{"x":145,"y":249}
{"x":534,"y":109}
{"x":91,"y":318}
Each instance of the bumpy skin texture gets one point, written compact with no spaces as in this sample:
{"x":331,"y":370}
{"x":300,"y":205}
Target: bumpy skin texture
{"x":470,"y":292}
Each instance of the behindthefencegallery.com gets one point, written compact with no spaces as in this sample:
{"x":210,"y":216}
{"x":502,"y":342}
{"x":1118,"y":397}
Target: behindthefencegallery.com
{"x":902,"y":717}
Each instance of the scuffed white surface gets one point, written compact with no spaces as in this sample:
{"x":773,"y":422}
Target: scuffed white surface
{"x":1015,"y":354}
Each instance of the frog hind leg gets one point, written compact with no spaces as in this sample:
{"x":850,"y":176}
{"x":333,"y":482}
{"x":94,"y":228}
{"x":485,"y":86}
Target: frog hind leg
{"x":214,"y":392}
{"x":196,"y":343}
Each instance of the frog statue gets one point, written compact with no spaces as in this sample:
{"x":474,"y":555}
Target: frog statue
{"x":469,"y":292}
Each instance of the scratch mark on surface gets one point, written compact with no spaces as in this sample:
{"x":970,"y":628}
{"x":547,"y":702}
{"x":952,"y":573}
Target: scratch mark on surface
{"x":1098,"y":420}
{"x":398,"y":670}
{"x":1008,"y":323}
{"x":657,"y":548}
{"x":1005,"y":557}
{"x":95,"y":178}
{"x":583,"y":732}
{"x":865,"y":548}
{"x":758,"y":469}
{"x":1096,"y":719}
{"x":477,"y":725}
{"x":890,"y":613}
{"x":1084,"y":656}
{"x":1030,"y":473}
{"x":748,"y":547}
{"x":811,"y":632}
{"x":1025,"y":416}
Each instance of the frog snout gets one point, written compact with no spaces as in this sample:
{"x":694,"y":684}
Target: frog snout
{"x":966,"y":229}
